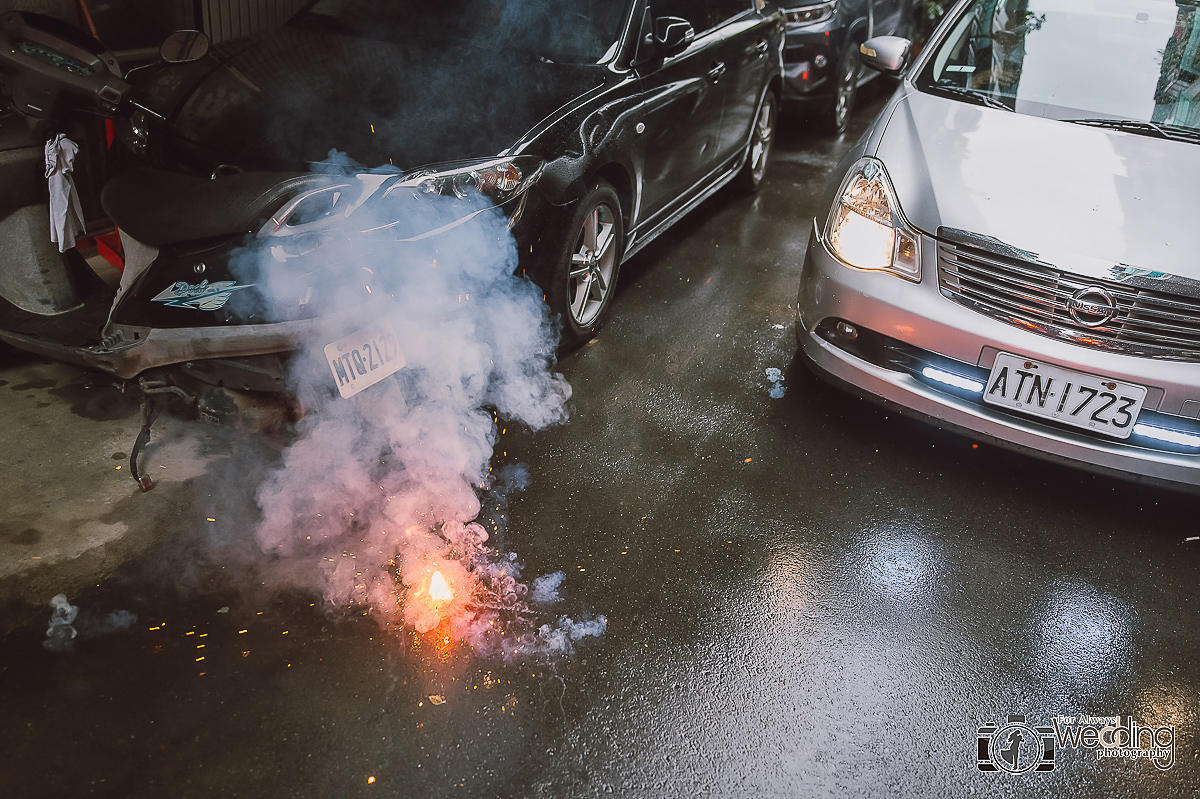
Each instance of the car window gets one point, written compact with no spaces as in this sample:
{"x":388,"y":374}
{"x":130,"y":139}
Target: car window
{"x":703,"y":14}
{"x":1132,"y":60}
{"x":693,"y":11}
{"x":720,"y":11}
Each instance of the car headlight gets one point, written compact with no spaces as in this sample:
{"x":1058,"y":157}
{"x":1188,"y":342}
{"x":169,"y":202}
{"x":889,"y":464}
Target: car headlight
{"x":316,"y":212}
{"x":499,"y":180}
{"x":866,"y":229}
{"x":811,"y":14}
{"x":383,"y":203}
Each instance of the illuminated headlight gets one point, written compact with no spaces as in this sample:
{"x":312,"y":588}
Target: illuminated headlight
{"x":866,"y":228}
{"x":499,"y":180}
{"x":810,"y":15}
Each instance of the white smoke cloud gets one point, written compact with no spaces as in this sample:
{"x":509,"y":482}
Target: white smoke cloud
{"x":545,"y":589}
{"x":561,"y":638}
{"x":66,"y":623}
{"x":381,"y":489}
{"x":60,"y":633}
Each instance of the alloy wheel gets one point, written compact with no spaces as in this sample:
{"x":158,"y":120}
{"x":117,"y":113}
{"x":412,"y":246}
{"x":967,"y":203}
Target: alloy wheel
{"x":593,"y":265}
{"x":847,"y":83}
{"x":762,"y":137}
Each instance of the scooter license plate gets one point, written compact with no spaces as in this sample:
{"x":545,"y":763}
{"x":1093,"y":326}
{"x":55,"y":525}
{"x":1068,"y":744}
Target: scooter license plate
{"x":363,"y":358}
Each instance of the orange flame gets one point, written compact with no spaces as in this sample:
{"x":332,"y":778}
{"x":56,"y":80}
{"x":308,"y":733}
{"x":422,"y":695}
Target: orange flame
{"x":439,"y":589}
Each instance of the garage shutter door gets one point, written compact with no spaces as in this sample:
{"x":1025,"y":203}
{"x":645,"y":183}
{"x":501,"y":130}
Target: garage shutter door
{"x":228,"y":19}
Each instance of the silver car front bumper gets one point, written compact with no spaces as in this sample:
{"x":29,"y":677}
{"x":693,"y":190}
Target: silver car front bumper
{"x":908,"y":323}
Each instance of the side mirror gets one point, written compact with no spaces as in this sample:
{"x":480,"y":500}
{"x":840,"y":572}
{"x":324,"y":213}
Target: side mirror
{"x":672,"y":35}
{"x":888,"y":54}
{"x":182,"y":47}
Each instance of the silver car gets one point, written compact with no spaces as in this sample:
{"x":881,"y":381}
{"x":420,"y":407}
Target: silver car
{"x":1012,"y":250}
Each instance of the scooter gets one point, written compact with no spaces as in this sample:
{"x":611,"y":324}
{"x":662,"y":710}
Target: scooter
{"x":182,"y":237}
{"x":53,"y":304}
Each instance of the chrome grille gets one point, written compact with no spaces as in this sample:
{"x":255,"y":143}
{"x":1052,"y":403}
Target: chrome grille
{"x":1034,"y":296}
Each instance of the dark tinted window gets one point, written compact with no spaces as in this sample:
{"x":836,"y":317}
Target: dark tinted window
{"x":721,"y":10}
{"x":694,"y":11}
{"x":703,"y":14}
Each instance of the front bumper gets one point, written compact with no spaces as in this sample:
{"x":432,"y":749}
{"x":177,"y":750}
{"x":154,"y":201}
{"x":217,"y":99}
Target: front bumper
{"x":810,"y":64}
{"x":903,"y":326}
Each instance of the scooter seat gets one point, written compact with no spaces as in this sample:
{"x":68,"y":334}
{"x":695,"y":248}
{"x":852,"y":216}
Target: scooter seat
{"x":158,"y":207}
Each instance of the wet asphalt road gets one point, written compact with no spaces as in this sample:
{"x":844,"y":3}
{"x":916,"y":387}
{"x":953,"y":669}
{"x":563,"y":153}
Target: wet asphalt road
{"x":806,"y":596}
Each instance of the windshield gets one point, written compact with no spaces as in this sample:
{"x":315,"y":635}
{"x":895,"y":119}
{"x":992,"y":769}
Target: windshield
{"x":1075,"y":59}
{"x":577,"y":31}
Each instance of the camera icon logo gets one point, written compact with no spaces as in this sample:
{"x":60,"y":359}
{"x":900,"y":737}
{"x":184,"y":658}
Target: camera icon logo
{"x":1016,"y":747}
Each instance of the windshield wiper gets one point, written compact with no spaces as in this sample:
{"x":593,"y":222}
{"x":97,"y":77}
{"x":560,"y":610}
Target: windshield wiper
{"x":977,"y":96}
{"x":1157,"y":129}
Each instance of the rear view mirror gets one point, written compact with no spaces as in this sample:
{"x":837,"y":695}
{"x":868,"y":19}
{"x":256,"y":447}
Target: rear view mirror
{"x":182,"y":47}
{"x":672,"y":35}
{"x":887,"y":54}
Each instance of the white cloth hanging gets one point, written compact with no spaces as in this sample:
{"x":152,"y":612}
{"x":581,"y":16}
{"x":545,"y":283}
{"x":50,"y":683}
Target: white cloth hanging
{"x":66,"y":215}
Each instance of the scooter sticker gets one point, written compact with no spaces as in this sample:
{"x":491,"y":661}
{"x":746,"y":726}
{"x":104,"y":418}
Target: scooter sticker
{"x":204,"y":296}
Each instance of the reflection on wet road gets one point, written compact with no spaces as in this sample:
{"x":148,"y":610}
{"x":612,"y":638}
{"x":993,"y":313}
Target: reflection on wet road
{"x":806,"y":596}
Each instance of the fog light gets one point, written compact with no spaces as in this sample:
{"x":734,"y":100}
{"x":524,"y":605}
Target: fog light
{"x":820,"y":61}
{"x":847,"y":331}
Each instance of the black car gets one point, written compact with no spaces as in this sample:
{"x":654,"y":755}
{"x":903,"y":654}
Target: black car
{"x":822,"y":65}
{"x":595,"y":124}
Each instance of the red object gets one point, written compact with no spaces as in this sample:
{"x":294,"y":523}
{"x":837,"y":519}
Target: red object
{"x":108,"y":246}
{"x":109,"y":131}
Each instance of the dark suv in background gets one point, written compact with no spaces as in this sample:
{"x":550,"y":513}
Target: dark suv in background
{"x":822,"y":65}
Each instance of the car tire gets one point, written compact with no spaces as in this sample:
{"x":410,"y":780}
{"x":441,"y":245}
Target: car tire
{"x":758,"y":151}
{"x":837,"y":114}
{"x":583,"y":277}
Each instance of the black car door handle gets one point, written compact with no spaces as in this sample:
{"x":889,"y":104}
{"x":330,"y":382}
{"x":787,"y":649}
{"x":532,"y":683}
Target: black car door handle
{"x":755,"y":52}
{"x":717,"y":70}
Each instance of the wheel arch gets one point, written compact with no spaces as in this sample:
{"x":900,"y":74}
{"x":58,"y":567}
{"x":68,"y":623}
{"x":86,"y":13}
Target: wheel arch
{"x":618,"y":176}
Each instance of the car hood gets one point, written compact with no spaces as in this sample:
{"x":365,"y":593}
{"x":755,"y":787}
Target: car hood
{"x":1085,"y":199}
{"x":297,"y":93}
